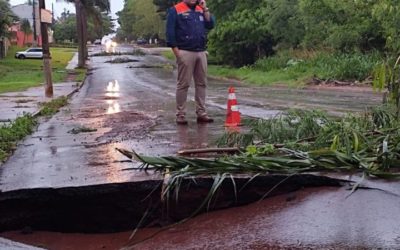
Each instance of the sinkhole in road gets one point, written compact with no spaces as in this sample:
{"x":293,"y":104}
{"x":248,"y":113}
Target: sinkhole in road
{"x":119,"y":207}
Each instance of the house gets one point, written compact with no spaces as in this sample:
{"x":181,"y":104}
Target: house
{"x":25,"y":11}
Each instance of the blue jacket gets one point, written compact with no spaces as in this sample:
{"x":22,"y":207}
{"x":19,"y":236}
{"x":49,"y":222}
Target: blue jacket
{"x":187,"y":27}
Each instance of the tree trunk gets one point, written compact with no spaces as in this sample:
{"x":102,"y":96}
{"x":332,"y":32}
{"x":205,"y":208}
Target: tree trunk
{"x":85,"y":36}
{"x":2,"y":48}
{"x":46,"y":55}
{"x":79,"y":30}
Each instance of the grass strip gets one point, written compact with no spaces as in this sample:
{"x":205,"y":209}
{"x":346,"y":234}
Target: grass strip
{"x":18,"y":75}
{"x":11,"y":133}
{"x":52,"y":107}
{"x":296,"y":68}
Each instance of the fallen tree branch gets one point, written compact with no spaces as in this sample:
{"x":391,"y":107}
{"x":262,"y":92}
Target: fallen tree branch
{"x":208,"y":150}
{"x":125,"y":152}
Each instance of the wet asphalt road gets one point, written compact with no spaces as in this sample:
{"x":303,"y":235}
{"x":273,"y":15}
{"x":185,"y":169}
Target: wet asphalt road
{"x":132,"y":106}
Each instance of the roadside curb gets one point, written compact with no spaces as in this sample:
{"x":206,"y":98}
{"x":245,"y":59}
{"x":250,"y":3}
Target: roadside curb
{"x":69,"y":95}
{"x":221,"y":78}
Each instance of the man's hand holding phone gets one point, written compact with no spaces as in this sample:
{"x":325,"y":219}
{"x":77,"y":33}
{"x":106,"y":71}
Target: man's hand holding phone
{"x":202,"y":4}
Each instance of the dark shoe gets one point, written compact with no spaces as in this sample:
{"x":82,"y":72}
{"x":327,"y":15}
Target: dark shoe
{"x":204,"y":119}
{"x":181,"y":120}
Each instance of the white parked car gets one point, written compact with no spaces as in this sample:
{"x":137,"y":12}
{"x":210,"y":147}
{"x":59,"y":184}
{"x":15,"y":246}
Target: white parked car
{"x":30,"y":53}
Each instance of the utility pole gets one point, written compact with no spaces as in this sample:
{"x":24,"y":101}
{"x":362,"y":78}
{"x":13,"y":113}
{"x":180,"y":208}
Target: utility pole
{"x":53,"y":20}
{"x":34,"y":22}
{"x":46,"y":51}
{"x":79,"y":29}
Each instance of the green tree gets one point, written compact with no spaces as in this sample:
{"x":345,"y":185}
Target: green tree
{"x":139,"y":18}
{"x":125,"y":21}
{"x":83,"y":8}
{"x":26,"y":28}
{"x":247,"y":30}
{"x":65,"y":28}
{"x":284,"y":22}
{"x":343,"y":25}
{"x":242,"y":34}
{"x":241,"y":40}
{"x":99,"y":28}
{"x":6,"y":18}
{"x":163,"y":5}
{"x":387,"y":14}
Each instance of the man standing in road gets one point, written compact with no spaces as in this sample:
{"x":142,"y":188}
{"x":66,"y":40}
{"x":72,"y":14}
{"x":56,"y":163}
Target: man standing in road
{"x":187,"y":25}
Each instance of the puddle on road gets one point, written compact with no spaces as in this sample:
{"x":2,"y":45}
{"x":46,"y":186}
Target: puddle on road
{"x":112,"y":94}
{"x":250,"y":110}
{"x":196,"y":137}
{"x":113,"y":86}
{"x":113,"y":107}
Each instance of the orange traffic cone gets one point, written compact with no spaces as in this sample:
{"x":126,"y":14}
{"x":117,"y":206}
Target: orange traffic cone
{"x":232,"y":114}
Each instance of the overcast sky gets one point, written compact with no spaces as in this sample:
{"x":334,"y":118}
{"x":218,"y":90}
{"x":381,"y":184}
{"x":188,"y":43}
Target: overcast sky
{"x":59,"y":6}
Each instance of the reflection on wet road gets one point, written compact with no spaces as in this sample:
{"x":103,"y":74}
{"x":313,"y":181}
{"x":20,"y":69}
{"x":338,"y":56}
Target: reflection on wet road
{"x":113,"y":86}
{"x":113,"y":94}
{"x":113,"y":107}
{"x":195,"y":137}
{"x":134,"y":108}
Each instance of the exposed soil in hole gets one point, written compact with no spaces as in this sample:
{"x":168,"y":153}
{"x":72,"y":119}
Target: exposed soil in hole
{"x":234,"y":228}
{"x":60,"y":241}
{"x":310,"y":218}
{"x":119,"y":207}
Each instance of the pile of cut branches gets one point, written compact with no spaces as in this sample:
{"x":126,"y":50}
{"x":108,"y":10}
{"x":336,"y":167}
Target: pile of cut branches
{"x":299,"y":142}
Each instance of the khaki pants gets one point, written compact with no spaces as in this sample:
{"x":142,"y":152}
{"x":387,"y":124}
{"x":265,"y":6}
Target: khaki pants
{"x":191,"y":65}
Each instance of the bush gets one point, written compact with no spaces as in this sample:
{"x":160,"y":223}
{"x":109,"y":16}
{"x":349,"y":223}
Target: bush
{"x":64,"y":45}
{"x":324,"y":65}
{"x":340,"y":66}
{"x":52,"y":107}
{"x":279,"y":61}
{"x":12,"y":133}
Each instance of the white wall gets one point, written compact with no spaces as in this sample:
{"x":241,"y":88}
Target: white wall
{"x":25,"y":11}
